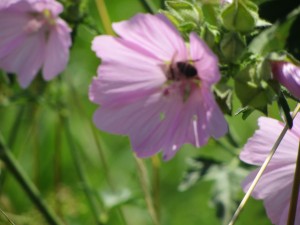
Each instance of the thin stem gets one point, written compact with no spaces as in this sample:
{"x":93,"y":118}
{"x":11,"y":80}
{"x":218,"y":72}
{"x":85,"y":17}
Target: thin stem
{"x":149,"y":5}
{"x":32,"y":192}
{"x":156,"y":184}
{"x":57,"y":165}
{"x":104,"y":164}
{"x":4,"y":214}
{"x":295,"y":192}
{"x":262,"y":169}
{"x":103,"y":13}
{"x":11,"y":140}
{"x":143,"y":175}
{"x":81,"y":174}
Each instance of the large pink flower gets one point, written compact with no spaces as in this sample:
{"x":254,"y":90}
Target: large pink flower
{"x":275,"y":186}
{"x":288,"y":75}
{"x":33,"y":37}
{"x":155,"y":88}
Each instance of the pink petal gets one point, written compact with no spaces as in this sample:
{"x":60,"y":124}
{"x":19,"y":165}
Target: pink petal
{"x":217,"y":124}
{"x":57,"y":50}
{"x":274,"y":178}
{"x":258,"y":147}
{"x":6,"y":3}
{"x":155,"y":34}
{"x":284,"y":214}
{"x":288,"y":75}
{"x":27,"y":59}
{"x":40,"y":5}
{"x":205,"y":60}
{"x":12,"y":34}
{"x":125,"y":73}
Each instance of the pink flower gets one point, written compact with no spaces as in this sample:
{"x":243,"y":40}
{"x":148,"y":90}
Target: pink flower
{"x":288,"y":75}
{"x":275,"y":185}
{"x":155,"y":88}
{"x":33,"y":37}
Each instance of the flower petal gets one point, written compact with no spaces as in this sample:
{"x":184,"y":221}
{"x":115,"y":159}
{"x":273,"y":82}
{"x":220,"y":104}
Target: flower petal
{"x":154,"y":33}
{"x":27,"y":59}
{"x":258,"y":147}
{"x":205,"y":60}
{"x":11,"y":35}
{"x":288,"y":75}
{"x":216,"y":122}
{"x":125,"y":73}
{"x":57,"y":50}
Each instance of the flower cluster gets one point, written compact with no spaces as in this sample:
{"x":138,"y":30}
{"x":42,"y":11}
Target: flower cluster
{"x":33,"y":37}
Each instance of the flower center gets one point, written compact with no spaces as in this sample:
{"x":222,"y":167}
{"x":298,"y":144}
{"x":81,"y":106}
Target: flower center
{"x":182,"y":77}
{"x":182,"y":70}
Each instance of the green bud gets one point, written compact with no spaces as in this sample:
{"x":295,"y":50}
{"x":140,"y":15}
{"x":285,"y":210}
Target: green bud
{"x":252,"y":90}
{"x":240,"y":16}
{"x":232,"y":46}
{"x":188,"y":15}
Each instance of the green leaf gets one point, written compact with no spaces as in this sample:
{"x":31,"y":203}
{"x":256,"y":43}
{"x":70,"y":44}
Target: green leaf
{"x":224,"y":97}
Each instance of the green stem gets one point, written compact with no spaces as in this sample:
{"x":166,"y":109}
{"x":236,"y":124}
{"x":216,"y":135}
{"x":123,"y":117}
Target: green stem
{"x":8,"y":219}
{"x":107,"y":174}
{"x":143,"y":178}
{"x":295,"y":192}
{"x":103,"y":13}
{"x":156,"y":184}
{"x":149,"y":5}
{"x":262,"y":169}
{"x":11,"y":140}
{"x":57,"y":165}
{"x":32,"y":192}
{"x":81,"y":174}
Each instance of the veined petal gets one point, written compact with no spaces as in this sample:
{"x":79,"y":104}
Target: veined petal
{"x":27,"y":59}
{"x":204,"y":59}
{"x":57,"y":50}
{"x":216,"y":122}
{"x":154,"y":33}
{"x":124,"y":73}
{"x":259,"y":146}
{"x":11,"y":35}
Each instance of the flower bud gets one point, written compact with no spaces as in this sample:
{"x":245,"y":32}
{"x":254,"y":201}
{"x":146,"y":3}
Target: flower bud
{"x":288,"y":75}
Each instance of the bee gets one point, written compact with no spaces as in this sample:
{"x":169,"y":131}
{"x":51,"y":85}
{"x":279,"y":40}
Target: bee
{"x":187,"y":69}
{"x":182,"y":70}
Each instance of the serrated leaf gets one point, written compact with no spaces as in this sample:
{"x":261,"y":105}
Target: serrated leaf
{"x":226,"y":186}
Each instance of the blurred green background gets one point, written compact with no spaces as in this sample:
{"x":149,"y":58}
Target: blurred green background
{"x":33,"y":125}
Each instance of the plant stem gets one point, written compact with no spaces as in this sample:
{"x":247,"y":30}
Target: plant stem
{"x":8,"y":219}
{"x":262,"y":169}
{"x":32,"y":192}
{"x":143,"y":175}
{"x":104,"y":164}
{"x":156,"y":184}
{"x":103,"y":13}
{"x":295,"y":192}
{"x":81,"y":174}
{"x":149,"y":5}
{"x":13,"y":133}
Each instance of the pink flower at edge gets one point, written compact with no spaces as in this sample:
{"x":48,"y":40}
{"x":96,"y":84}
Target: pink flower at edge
{"x":33,"y":37}
{"x":275,"y":185}
{"x":144,"y":95}
{"x":288,"y":75}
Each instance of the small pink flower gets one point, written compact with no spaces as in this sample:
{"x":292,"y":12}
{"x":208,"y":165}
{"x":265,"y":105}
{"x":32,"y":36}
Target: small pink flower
{"x":275,"y":185}
{"x":155,"y":88}
{"x":33,"y":37}
{"x":288,"y":75}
